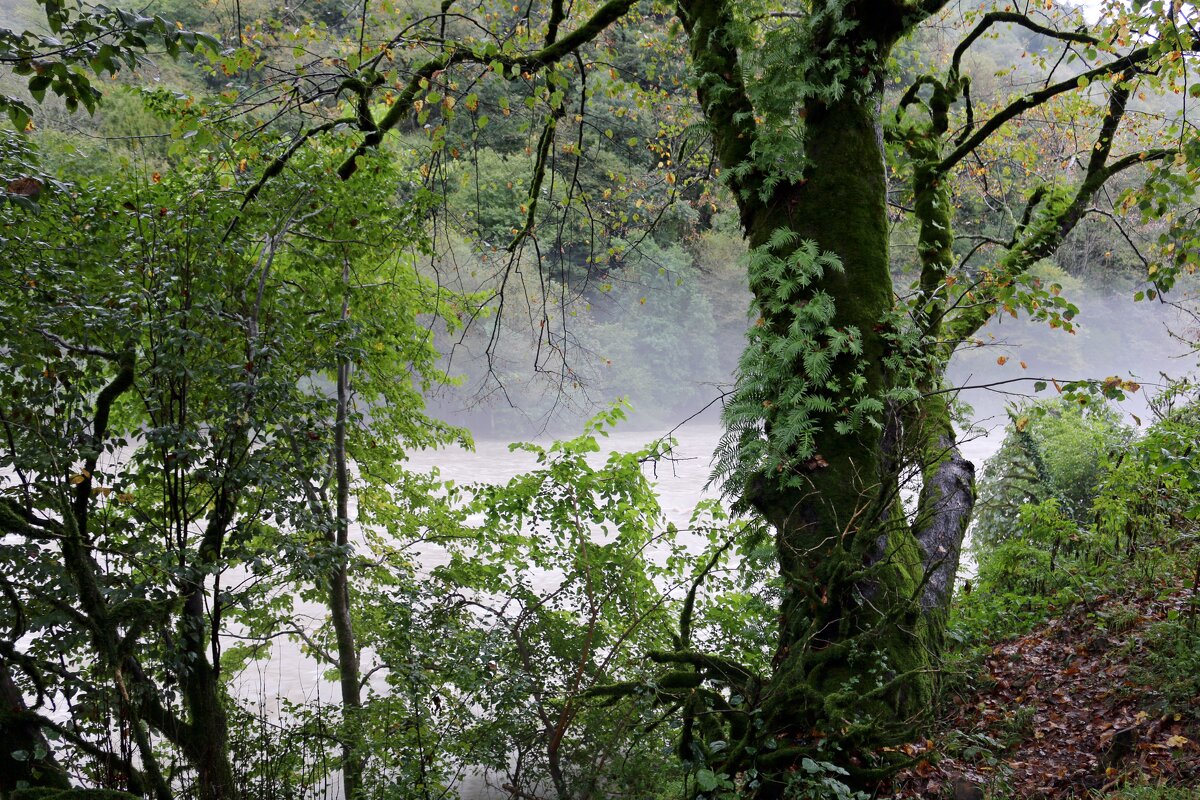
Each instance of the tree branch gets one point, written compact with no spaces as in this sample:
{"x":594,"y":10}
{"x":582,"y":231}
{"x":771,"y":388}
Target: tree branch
{"x":721,"y":89}
{"x":1038,"y":238}
{"x":1035,"y":99}
{"x":551,"y":54}
{"x":993,"y":17}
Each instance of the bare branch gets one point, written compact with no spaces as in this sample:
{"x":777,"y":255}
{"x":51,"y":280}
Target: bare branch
{"x":1035,"y":99}
{"x":994,"y":17}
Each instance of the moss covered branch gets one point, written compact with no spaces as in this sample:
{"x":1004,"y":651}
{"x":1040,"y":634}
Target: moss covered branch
{"x":721,"y":90}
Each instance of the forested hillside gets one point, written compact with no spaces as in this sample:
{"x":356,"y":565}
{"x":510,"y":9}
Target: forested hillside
{"x":651,"y":292}
{"x":255,"y":255}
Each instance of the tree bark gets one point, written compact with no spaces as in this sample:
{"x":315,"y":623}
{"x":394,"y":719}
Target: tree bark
{"x":943,"y":511}
{"x":19,"y":736}
{"x":852,"y":571}
{"x":206,"y":738}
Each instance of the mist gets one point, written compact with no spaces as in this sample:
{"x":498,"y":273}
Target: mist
{"x":682,"y":377}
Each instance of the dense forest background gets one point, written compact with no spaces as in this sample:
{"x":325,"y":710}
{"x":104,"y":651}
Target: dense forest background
{"x":650,"y":285}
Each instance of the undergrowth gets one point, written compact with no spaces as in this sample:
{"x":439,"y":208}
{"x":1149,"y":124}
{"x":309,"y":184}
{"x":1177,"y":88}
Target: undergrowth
{"x":1122,"y":570}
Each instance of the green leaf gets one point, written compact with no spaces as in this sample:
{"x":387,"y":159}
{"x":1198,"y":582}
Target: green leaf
{"x":38,"y":85}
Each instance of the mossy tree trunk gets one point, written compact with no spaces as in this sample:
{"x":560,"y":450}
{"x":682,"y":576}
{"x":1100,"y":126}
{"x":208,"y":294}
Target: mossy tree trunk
{"x":841,"y":516}
{"x":853,"y":649}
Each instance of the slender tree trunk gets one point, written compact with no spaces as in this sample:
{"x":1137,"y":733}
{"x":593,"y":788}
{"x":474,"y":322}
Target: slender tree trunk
{"x":206,"y":743}
{"x":948,"y":480}
{"x":339,"y":583}
{"x":943,"y":511}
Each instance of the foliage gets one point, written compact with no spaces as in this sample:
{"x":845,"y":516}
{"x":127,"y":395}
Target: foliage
{"x":821,"y":780}
{"x":595,"y":528}
{"x":775,"y":358}
{"x":1055,"y":451}
{"x":1135,"y":522}
{"x":100,"y":40}
{"x":165,"y":412}
{"x":1170,"y":662}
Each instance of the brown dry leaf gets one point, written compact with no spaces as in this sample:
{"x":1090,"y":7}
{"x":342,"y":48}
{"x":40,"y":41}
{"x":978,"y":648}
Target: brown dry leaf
{"x":25,"y":187}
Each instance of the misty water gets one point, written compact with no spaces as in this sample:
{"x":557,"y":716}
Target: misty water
{"x":1115,"y":337}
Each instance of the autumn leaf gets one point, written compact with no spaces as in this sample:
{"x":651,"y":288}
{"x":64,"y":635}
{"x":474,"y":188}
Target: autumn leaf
{"x":25,"y":187}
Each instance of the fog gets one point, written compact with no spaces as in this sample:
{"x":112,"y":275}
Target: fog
{"x":1147,"y":342}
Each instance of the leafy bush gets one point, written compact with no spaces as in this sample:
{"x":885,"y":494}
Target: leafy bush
{"x":1051,"y":450}
{"x":1170,"y":662}
{"x":1072,"y":507}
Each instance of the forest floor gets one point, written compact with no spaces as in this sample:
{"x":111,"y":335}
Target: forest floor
{"x":1085,"y":706}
